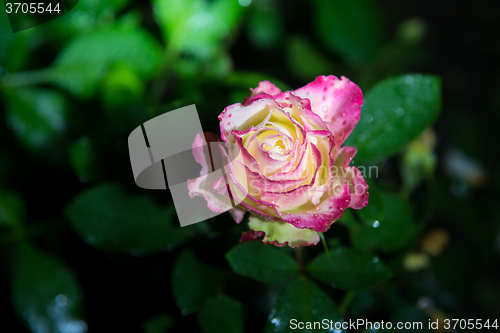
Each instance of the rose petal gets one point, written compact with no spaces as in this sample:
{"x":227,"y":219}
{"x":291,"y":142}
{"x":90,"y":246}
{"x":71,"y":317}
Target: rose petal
{"x":320,"y":217}
{"x":257,"y":184}
{"x":241,"y":196}
{"x":352,"y":176}
{"x":237,"y":214}
{"x":337,"y":102}
{"x":280,"y":233}
{"x":345,"y":156}
{"x":208,"y":184}
{"x":251,"y":235}
{"x":298,"y":197}
{"x":265,"y":87}
{"x":239,"y":117}
{"x":358,"y":187}
{"x":288,"y":100}
{"x":202,"y":186}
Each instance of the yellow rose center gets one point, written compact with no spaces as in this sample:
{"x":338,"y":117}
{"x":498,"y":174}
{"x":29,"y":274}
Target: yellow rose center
{"x":278,"y":147}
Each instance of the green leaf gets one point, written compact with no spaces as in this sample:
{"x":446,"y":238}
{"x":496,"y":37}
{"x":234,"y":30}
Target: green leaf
{"x":264,"y":263}
{"x":46,"y":294}
{"x":265,"y":26}
{"x":86,"y":15}
{"x":349,"y":269}
{"x":353,"y":29}
{"x":121,"y":87}
{"x":85,"y":60}
{"x":11,"y":209}
{"x":83,"y":159}
{"x":304,"y":60}
{"x":375,"y":209}
{"x":391,"y":232}
{"x":348,"y":218}
{"x":302,"y":301}
{"x":395,"y":112}
{"x":196,"y":26}
{"x":414,"y":319}
{"x":221,"y":314}
{"x":37,"y":116}
{"x":159,"y":324}
{"x":110,"y":219}
{"x":193,"y":281}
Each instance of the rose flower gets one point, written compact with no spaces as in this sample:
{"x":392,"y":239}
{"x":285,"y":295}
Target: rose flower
{"x":285,"y":161}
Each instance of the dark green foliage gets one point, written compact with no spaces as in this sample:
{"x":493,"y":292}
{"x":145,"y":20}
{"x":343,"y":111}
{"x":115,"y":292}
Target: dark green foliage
{"x":110,"y":219}
{"x":221,"y":314}
{"x":193,"y":281}
{"x":395,"y":112}
{"x":262,"y":263}
{"x":46,"y":294}
{"x":304,"y":301}
{"x":349,"y":269}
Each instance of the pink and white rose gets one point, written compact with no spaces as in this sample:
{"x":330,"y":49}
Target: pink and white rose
{"x":286,"y":164}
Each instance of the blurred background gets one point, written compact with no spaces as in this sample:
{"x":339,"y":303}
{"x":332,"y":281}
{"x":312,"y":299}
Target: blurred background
{"x":83,"y":249}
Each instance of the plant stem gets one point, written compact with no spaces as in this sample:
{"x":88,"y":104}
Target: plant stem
{"x":300,"y":260}
{"x":325,"y":246}
{"x":345,"y":302}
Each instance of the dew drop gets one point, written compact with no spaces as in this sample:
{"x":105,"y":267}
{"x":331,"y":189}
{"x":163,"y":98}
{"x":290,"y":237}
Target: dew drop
{"x":376,"y":224}
{"x":317,"y":208}
{"x":368,"y":118}
{"x":276,"y":321}
{"x":375,"y":260}
{"x":61,"y":300}
{"x":400,"y":112}
{"x":409,"y":79}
